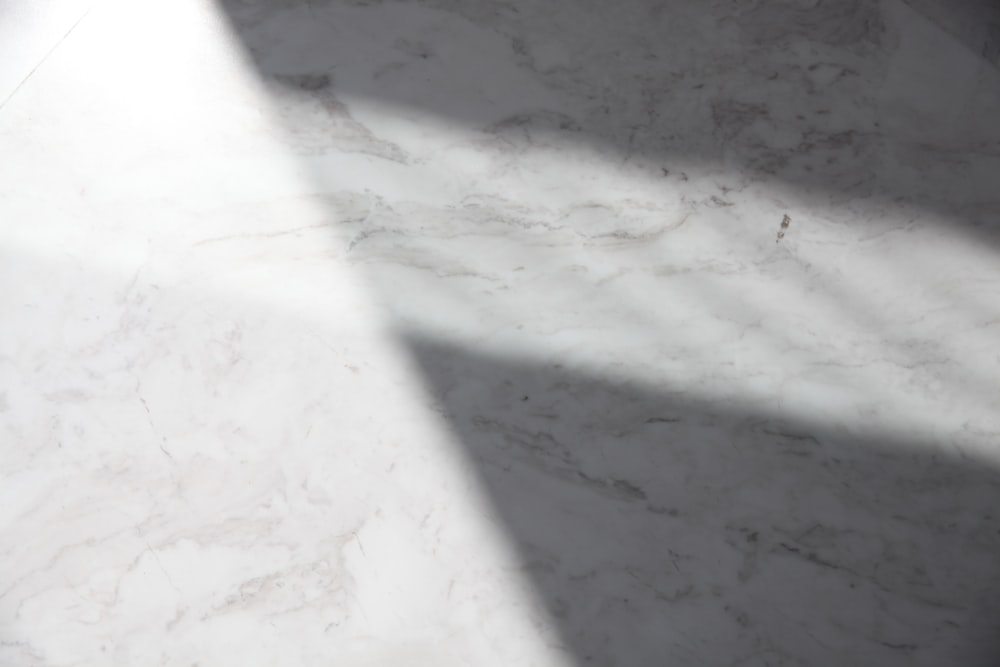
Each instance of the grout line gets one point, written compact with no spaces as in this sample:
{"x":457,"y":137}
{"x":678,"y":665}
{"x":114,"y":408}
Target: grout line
{"x":46,"y":57}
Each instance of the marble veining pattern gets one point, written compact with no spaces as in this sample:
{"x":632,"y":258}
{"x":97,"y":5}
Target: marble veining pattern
{"x":367,"y":332}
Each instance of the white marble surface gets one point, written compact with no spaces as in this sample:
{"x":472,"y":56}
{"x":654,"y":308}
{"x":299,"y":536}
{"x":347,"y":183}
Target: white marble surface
{"x":460,"y":333}
{"x":29,"y":32}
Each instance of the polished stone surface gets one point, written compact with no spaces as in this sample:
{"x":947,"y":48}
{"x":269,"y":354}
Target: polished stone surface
{"x":491,"y":333}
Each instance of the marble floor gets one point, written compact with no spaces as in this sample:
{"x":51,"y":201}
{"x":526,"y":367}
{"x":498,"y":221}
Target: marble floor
{"x":561,"y":334}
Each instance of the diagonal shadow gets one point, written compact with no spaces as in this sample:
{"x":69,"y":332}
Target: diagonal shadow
{"x":662,"y":528}
{"x":975,"y":23}
{"x":857,"y":101}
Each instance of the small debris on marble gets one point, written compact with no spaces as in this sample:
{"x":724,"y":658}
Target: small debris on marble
{"x":784,"y":226}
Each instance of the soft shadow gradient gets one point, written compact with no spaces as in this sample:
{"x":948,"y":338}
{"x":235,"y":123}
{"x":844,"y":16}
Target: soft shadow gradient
{"x":857,"y":102}
{"x":662,"y":528}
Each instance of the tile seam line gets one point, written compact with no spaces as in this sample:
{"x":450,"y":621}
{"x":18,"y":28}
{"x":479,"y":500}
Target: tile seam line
{"x":47,"y":55}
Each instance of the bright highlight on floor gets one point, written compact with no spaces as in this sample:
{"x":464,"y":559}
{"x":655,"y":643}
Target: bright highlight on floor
{"x":383,"y":333}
